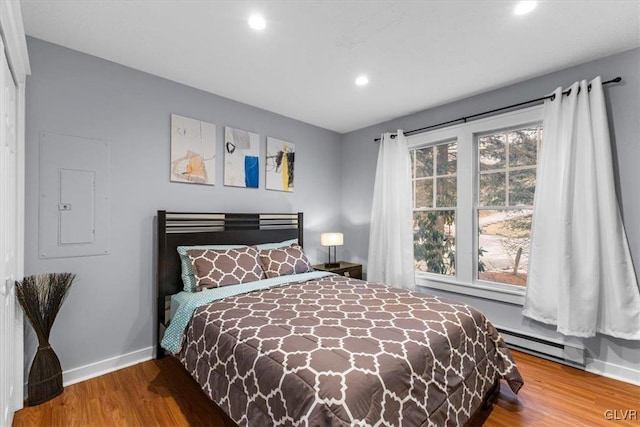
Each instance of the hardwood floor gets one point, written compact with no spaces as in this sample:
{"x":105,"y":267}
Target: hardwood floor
{"x":558,"y":395}
{"x":154,"y":393}
{"x":161,"y":393}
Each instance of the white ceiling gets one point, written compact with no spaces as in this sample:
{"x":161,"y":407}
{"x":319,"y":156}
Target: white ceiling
{"x":417,"y":54}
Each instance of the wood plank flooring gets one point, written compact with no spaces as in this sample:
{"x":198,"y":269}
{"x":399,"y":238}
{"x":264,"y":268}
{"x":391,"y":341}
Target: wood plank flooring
{"x":161,"y":393}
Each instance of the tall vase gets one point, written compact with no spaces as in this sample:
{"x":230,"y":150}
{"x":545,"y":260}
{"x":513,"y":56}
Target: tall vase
{"x":45,"y":376}
{"x":41,"y":297}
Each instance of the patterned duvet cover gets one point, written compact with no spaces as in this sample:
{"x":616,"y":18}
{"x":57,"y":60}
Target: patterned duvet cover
{"x":345,"y":352}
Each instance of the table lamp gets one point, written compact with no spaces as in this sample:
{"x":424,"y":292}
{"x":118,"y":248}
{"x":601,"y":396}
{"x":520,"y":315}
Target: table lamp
{"x":331,"y":240}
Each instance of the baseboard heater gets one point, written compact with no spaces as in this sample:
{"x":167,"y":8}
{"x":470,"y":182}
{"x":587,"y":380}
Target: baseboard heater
{"x":568,"y":354}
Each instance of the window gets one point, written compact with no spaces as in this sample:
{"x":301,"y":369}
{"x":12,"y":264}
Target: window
{"x":473,"y":188}
{"x":434,"y":208}
{"x":506,"y":185}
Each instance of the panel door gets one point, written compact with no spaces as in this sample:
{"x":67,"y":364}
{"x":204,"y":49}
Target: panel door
{"x":8,"y":240}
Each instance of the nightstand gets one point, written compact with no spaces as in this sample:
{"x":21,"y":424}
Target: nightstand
{"x":347,"y":269}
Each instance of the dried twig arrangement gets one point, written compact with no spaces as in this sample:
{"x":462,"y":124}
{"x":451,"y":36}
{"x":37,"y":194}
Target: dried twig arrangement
{"x":41,"y":297}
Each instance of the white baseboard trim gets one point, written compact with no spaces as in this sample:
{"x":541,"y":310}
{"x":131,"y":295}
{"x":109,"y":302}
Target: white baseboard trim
{"x":105,"y":366}
{"x":102,"y":367}
{"x":616,"y":372}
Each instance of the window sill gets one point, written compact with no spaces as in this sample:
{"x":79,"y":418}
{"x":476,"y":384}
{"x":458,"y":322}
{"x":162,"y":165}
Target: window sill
{"x":483,"y":290}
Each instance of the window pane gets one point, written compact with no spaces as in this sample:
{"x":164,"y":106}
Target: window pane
{"x":446,"y":192}
{"x":434,"y":242}
{"x":522,"y":185}
{"x":446,"y":161}
{"x":492,"y":189}
{"x":523,"y":146}
{"x":424,"y":193}
{"x":424,"y":162}
{"x":491,"y":151}
{"x":503,"y":245}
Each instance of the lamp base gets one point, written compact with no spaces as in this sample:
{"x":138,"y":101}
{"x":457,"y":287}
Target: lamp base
{"x":331,"y":264}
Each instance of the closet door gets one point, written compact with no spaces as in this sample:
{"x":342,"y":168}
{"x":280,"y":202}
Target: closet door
{"x":8,"y":239}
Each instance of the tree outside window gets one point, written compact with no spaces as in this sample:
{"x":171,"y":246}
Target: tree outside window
{"x":506,"y":186}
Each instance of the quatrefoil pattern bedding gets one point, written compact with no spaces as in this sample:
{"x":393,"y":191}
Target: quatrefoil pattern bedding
{"x":344,"y":352}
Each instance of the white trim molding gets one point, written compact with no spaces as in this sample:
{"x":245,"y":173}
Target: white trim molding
{"x":496,"y":292}
{"x":18,"y":399}
{"x":102,"y":367}
{"x":613,"y":371}
{"x":106,"y":366}
{"x":15,"y":40}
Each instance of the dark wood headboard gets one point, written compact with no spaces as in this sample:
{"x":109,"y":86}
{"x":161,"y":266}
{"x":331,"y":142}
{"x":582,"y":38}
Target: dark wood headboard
{"x":189,"y":229}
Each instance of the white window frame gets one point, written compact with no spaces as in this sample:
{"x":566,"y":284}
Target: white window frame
{"x":434,"y":196}
{"x":465,"y":281}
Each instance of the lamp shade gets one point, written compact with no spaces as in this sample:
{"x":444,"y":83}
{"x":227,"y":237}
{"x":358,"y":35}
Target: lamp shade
{"x":331,"y":239}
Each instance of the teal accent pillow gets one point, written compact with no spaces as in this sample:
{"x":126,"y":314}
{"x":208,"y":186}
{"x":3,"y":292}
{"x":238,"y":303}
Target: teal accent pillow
{"x":188,"y":278}
{"x":280,"y":245}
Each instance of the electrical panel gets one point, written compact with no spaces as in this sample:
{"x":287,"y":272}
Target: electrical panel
{"x":74,"y":196}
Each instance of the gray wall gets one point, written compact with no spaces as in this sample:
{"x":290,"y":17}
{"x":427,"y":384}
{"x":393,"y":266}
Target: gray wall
{"x":359,"y":155}
{"x":109,"y":308}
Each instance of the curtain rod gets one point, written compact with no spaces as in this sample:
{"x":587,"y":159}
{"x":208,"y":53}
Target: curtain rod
{"x":508,"y":107}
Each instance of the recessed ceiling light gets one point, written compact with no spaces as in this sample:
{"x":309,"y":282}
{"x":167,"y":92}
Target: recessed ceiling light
{"x":257,"y":22}
{"x":362,"y":80}
{"x":525,"y":7}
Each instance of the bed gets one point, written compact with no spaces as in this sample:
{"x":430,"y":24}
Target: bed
{"x":317,"y":349}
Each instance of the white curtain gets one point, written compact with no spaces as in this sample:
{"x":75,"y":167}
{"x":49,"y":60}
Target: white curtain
{"x":391,"y":233}
{"x":581,"y":276}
